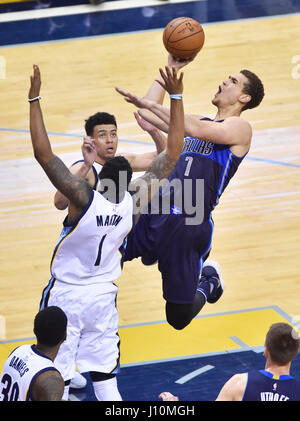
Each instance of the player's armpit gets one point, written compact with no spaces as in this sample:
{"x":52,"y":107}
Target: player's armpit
{"x":48,"y":386}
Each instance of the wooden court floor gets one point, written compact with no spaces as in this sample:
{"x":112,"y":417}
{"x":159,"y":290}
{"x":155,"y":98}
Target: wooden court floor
{"x":257,"y":223}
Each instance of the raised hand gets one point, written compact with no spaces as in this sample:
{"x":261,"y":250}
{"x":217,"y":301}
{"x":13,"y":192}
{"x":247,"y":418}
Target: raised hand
{"x":171,"y":83}
{"x":178,"y":63}
{"x":35,"y":83}
{"x":145,"y":125}
{"x":134,"y":99}
{"x":89,"y":150}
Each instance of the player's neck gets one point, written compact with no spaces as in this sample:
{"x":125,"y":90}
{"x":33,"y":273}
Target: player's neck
{"x":49,"y":352}
{"x":100,"y":161}
{"x":278,"y":370}
{"x":225,"y":112}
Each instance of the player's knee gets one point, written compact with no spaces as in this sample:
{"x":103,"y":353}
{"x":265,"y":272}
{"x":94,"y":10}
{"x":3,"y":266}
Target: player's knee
{"x":177,"y":324}
{"x":178,"y":315}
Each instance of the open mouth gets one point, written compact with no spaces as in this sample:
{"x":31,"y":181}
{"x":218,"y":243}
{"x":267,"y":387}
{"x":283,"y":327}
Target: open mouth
{"x":219,"y":90}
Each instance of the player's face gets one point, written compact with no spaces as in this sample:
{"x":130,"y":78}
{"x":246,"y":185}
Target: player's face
{"x":106,"y":138}
{"x":230,"y":91}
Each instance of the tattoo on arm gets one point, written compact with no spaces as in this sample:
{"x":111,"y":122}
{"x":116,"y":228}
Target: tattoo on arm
{"x":49,"y":386}
{"x":76,"y":189}
{"x":160,"y":169}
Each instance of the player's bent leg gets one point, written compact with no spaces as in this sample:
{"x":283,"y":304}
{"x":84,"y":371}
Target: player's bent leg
{"x":210,"y":288}
{"x":105,"y":386}
{"x":180,"y":315}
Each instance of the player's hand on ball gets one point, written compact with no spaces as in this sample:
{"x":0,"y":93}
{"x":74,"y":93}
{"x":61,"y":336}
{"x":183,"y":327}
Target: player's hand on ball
{"x":35,"y":83}
{"x":178,"y":63}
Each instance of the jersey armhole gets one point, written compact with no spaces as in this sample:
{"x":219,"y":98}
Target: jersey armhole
{"x":245,"y":387}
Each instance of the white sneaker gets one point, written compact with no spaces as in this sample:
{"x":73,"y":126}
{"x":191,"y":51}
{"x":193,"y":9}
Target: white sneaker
{"x":78,"y":381}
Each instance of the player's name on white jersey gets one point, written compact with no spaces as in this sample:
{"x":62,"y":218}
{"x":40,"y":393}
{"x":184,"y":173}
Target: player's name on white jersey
{"x":19,"y":365}
{"x":106,"y":220}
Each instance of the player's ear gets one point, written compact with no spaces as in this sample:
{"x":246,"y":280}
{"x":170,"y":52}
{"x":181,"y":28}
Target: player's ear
{"x":245,"y":98}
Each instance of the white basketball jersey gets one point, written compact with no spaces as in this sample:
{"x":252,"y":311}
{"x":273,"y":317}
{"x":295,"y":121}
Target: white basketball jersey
{"x":97,"y":168}
{"x":23,"y":365}
{"x":88,"y":250}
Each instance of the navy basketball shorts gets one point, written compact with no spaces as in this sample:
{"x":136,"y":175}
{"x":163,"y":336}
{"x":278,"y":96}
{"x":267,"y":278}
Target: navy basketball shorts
{"x":180,"y":250}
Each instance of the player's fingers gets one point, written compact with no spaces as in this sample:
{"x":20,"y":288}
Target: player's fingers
{"x":161,"y":83}
{"x":163,"y":75}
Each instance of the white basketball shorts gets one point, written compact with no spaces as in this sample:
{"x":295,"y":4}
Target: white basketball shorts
{"x":92,"y":342}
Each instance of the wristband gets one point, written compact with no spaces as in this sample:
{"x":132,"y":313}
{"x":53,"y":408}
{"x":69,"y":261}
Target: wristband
{"x":176,"y":96}
{"x":37,"y":98}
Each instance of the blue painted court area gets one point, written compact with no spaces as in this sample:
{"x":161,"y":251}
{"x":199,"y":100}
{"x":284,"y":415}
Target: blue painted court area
{"x":146,"y":382}
{"x":227,"y":343}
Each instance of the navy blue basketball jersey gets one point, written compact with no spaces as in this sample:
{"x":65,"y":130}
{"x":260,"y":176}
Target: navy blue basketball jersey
{"x":213,"y":163}
{"x":264,"y":386}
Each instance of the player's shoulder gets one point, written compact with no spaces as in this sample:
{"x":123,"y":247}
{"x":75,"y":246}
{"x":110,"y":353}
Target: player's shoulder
{"x":237,"y":120}
{"x":238,"y":383}
{"x":239,"y":378}
{"x":48,"y":385}
{"x":240,"y":129}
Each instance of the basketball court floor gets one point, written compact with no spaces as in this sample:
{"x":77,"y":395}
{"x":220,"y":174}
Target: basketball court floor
{"x":84,"y":51}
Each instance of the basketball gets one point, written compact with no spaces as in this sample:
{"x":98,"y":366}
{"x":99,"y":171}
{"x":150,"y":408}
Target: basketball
{"x":183,"y":37}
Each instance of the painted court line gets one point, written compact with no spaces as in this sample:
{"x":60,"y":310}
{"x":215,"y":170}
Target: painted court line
{"x":141,"y":142}
{"x":194,"y":373}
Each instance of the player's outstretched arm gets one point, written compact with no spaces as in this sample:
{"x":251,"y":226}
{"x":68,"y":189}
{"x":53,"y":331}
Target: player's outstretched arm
{"x":156,"y":92}
{"x":164,"y":163}
{"x":80,"y":169}
{"x":74,"y":188}
{"x":142,"y":161}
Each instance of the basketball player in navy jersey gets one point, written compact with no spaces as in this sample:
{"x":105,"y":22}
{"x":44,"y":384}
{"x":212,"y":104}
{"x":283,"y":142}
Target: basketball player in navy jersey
{"x":274,"y":383}
{"x":86,"y":259}
{"x":213,"y":150}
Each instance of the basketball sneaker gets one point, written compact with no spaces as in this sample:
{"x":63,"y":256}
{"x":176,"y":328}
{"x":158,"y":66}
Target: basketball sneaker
{"x":211,"y":283}
{"x":78,"y":381}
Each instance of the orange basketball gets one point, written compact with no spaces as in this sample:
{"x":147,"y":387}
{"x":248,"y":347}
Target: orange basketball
{"x":183,"y":37}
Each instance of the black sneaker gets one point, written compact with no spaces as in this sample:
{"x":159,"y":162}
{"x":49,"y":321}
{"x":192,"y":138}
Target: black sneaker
{"x":211,"y":273}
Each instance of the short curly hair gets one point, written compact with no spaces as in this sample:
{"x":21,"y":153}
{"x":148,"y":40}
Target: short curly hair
{"x":98,"y":119}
